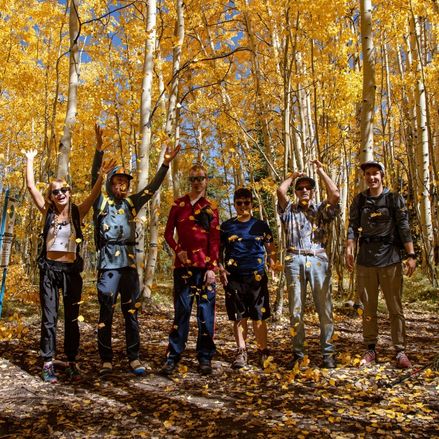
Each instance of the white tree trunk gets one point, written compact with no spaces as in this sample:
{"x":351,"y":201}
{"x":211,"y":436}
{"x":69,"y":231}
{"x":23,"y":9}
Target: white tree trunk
{"x":72,"y":103}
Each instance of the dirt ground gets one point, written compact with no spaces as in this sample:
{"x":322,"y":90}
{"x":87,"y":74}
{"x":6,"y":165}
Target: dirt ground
{"x":277,"y":402}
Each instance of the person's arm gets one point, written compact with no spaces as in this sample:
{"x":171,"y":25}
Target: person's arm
{"x":403,"y":227}
{"x":36,"y":195}
{"x":353,"y":232}
{"x":85,"y":206}
{"x":147,"y":192}
{"x":180,"y":253}
{"x":214,"y":246}
{"x":282,"y":190}
{"x":99,"y":153}
{"x":332,"y":192}
{"x":221,"y":264}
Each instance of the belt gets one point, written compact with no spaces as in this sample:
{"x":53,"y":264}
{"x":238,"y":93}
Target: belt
{"x":307,"y":252}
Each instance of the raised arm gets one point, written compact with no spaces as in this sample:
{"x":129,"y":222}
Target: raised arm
{"x":36,"y":195}
{"x":85,"y":206}
{"x":99,"y":153}
{"x":333,"y":194}
{"x":282,"y":190}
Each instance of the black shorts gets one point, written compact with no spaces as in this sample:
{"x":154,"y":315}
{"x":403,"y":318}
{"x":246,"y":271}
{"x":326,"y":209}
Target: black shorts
{"x":247,"y":297}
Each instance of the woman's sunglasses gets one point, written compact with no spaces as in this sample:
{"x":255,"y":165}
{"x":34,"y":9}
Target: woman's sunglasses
{"x":63,"y":190}
{"x":198,"y":178}
{"x":245,"y":203}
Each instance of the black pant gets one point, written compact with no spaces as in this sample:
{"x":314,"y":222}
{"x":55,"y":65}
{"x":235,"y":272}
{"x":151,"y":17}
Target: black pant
{"x":70,"y":284}
{"x":111,"y":282}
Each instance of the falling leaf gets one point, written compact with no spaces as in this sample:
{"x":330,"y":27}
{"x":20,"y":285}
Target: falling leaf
{"x":80,"y":318}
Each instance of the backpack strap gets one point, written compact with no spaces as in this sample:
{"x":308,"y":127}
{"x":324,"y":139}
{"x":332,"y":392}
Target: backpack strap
{"x":130,"y":203}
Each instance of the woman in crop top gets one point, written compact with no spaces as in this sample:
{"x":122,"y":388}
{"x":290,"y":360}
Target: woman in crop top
{"x":60,"y":264}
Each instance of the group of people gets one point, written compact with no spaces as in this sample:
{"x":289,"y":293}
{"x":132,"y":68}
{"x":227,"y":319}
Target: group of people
{"x":238,"y":252}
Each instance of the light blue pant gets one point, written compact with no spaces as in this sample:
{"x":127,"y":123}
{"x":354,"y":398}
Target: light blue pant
{"x":300,"y":270}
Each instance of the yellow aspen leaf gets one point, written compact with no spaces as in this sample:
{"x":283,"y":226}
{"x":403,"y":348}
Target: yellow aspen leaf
{"x":192,"y":218}
{"x":121,"y":211}
{"x":197,"y":211}
{"x":308,"y":264}
{"x":105,"y":227}
{"x":263,"y":309}
{"x":138,"y":304}
{"x":204,"y":296}
{"x":131,"y":311}
{"x":81,"y":318}
{"x":207,"y":259}
{"x":101,"y":325}
{"x":293,"y":332}
{"x":182,"y":204}
{"x":117,"y":253}
{"x":258,"y":277}
{"x":78,"y":240}
{"x":233,"y":238}
{"x":359,"y":311}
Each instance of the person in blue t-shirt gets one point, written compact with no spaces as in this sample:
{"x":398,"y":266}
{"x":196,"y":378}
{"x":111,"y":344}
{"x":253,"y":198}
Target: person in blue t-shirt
{"x":246,"y":243}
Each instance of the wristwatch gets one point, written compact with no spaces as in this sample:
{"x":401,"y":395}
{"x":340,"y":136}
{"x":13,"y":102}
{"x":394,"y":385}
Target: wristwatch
{"x":411,"y":255}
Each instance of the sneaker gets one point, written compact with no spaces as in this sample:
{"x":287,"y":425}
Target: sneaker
{"x":168,"y":367}
{"x":369,"y":357}
{"x":137,"y":367}
{"x":329,"y":361}
{"x":48,"y":374}
{"x":106,"y":368}
{"x":240,"y":359}
{"x":402,"y":361}
{"x":205,"y":367}
{"x":263,"y":357}
{"x":73,"y":372}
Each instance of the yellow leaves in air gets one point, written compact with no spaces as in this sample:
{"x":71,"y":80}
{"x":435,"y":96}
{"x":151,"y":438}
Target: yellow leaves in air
{"x":360,"y":312}
{"x":105,"y":227}
{"x":233,"y":238}
{"x":121,"y":211}
{"x":197,"y":211}
{"x":101,"y":325}
{"x":258,"y":277}
{"x":117,"y":253}
{"x":293,"y":332}
{"x":308,"y":264}
{"x":80,"y":319}
{"x":204,"y":296}
{"x":78,"y":240}
{"x":374,"y":214}
{"x":191,"y":218}
{"x":182,"y":204}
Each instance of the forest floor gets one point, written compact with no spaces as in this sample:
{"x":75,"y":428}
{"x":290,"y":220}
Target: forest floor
{"x":277,"y":402}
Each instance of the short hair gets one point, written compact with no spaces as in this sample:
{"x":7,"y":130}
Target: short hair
{"x":198,"y":167}
{"x":243,"y":192}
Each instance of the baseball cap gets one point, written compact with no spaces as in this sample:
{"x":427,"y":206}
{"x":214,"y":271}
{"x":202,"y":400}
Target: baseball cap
{"x":371,"y":163}
{"x":310,"y":180}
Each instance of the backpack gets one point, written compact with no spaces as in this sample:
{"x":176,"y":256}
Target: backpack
{"x":390,"y":202}
{"x":101,"y":212}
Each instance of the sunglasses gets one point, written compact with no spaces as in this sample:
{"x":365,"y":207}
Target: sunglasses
{"x":302,"y":188}
{"x":198,"y":178}
{"x":245,"y":203}
{"x":63,"y":190}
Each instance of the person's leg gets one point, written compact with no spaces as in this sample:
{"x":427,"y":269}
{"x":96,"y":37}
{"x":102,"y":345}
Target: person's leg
{"x":49,"y":300}
{"x":240,"y":332}
{"x":391,"y":284}
{"x":184,"y":292}
{"x":72,"y":297}
{"x":129,"y":296}
{"x":319,"y":275}
{"x":205,"y":318}
{"x":296,"y":286}
{"x":108,"y":286}
{"x":367,"y":286}
{"x":260,"y":330}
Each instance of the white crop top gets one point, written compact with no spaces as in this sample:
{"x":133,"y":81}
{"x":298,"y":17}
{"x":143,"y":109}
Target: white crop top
{"x":64,"y":241}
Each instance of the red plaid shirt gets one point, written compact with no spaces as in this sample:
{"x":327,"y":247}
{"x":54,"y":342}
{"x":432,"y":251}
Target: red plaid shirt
{"x":202,"y":246}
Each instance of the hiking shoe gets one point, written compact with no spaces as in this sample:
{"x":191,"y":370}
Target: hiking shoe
{"x":168,"y":367}
{"x":240,"y":359}
{"x":106,"y":368}
{"x":48,"y":374}
{"x":369,"y":357}
{"x":297,"y":358}
{"x":263,"y":357}
{"x":205,"y":367}
{"x":402,"y":361}
{"x":329,"y":362}
{"x":73,"y":372}
{"x":137,"y":367}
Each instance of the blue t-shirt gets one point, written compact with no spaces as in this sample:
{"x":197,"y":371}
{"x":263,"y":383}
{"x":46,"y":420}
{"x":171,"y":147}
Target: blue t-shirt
{"x":243,"y":245}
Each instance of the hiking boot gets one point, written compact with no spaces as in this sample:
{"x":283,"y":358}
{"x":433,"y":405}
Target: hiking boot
{"x":402,"y":361}
{"x":240,"y":360}
{"x":73,"y":372}
{"x":297,"y":358}
{"x":48,"y":374}
{"x":263,"y":357}
{"x":329,"y":361}
{"x":168,"y":367}
{"x":370,"y":357}
{"x":106,"y":368}
{"x":137,"y":367}
{"x":205,"y":367}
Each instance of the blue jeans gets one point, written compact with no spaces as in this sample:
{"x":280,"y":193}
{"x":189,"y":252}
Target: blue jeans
{"x":299,"y":271}
{"x":110,"y":283}
{"x":189,"y":284}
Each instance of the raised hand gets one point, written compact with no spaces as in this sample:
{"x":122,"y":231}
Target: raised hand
{"x":107,"y":166}
{"x":99,"y":133}
{"x":170,"y":153}
{"x":30,"y":155}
